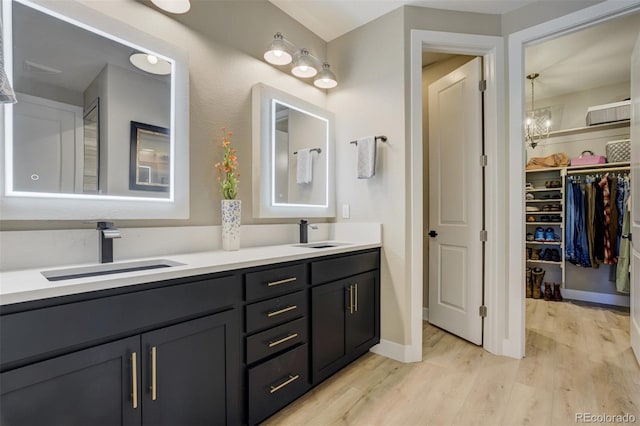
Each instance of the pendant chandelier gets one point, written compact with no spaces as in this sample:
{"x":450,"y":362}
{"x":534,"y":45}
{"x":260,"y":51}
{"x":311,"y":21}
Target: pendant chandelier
{"x":537,"y":123}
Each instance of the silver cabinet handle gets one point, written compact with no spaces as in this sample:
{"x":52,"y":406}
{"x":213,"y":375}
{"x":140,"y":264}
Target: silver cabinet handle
{"x":282,"y":311}
{"x":134,"y":380}
{"x":286,"y":280}
{"x":284,"y":339}
{"x":350,"y":307}
{"x":291,"y":379}
{"x":154,"y":383}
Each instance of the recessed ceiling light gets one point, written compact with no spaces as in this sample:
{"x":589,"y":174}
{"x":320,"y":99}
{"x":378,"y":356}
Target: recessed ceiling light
{"x":173,"y":6}
{"x":150,"y":63}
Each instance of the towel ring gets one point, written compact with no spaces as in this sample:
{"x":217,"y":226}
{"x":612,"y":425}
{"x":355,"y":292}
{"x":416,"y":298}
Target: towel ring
{"x":377,"y":138}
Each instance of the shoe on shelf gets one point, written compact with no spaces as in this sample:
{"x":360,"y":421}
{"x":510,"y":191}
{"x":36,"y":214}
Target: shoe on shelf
{"x":539,"y":234}
{"x":555,"y":208}
{"x":556,"y":196}
{"x":548,"y":293}
{"x":531,"y":219}
{"x":546,"y":254}
{"x":528,"y":286}
{"x":546,"y":208}
{"x":529,"y":236}
{"x":528,"y":252}
{"x":555,"y":255}
{"x":545,"y":218}
{"x":528,"y":185}
{"x":556,"y":218}
{"x":533,"y":208}
{"x":549,"y":235}
{"x":557,"y":296}
{"x":529,"y":196}
{"x":535,"y":254}
{"x":554,"y":184}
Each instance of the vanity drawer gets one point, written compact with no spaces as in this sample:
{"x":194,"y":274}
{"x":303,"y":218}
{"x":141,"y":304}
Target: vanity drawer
{"x":275,"y":311}
{"x":274,"y":282}
{"x":276,"y":339}
{"x":277,"y":382}
{"x":345,"y":266}
{"x":41,"y":333}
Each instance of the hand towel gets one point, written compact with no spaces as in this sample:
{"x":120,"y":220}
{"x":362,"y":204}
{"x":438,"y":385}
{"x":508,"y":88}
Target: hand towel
{"x":304,"y":168}
{"x":366,"y":148}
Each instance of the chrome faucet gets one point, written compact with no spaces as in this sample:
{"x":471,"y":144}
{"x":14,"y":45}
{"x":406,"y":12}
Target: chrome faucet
{"x":107,"y":234}
{"x":304,"y":228}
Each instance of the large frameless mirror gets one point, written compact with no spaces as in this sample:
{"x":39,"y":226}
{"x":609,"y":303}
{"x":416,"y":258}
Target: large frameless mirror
{"x":292,"y":156}
{"x":81,"y":79}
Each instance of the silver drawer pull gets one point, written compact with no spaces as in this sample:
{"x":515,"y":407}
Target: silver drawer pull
{"x":286,"y":280}
{"x":284,"y":339}
{"x":282,"y":311}
{"x":291,"y":379}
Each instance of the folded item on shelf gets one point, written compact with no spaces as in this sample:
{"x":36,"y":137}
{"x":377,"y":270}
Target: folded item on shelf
{"x":558,"y":159}
{"x":533,"y":209}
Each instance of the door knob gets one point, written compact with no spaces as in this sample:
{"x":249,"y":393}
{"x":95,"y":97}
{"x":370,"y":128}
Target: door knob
{"x":433,"y":234}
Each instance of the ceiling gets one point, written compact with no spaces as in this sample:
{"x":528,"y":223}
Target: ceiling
{"x":594,"y":57}
{"x":330,"y":19}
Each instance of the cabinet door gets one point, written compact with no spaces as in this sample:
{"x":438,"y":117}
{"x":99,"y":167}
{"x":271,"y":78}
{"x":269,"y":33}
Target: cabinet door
{"x":362,"y":319}
{"x":88,"y":387}
{"x":329,"y":307}
{"x":190,"y":372}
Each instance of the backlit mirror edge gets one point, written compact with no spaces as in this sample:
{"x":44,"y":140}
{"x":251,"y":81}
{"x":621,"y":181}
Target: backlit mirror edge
{"x":261,"y":105}
{"x":25,"y":206}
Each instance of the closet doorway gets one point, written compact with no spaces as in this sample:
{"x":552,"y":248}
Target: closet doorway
{"x":577,"y":102}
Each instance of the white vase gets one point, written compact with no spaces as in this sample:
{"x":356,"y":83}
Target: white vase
{"x":231,"y":210}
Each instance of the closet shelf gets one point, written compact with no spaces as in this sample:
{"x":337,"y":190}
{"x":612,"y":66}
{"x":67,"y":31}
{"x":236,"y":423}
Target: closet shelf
{"x":588,"y":129}
{"x":546,"y":223}
{"x":548,"y":262}
{"x":548,"y":200}
{"x":546,"y":243}
{"x":544,"y":190}
{"x":561,"y":214}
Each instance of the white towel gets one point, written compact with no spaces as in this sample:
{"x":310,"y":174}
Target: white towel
{"x":304,"y":168}
{"x":366,"y":157}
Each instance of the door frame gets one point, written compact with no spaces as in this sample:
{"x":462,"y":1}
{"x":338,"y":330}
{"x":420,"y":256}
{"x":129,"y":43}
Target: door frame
{"x":601,"y":12}
{"x":491,"y":49}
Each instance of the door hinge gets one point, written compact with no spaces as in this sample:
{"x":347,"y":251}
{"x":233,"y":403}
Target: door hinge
{"x":482,"y":85}
{"x":483,"y":160}
{"x":483,"y":235}
{"x":483,"y":311}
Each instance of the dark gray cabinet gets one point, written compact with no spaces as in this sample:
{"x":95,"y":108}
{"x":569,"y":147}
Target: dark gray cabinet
{"x":345,"y":313}
{"x":176,"y":369}
{"x":89,"y":387}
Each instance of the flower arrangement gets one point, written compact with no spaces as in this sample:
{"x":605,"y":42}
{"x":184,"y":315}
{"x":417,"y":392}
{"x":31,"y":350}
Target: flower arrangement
{"x":227,"y":174}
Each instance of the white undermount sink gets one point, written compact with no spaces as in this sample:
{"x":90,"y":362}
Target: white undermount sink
{"x":107,"y":269}
{"x":322,"y":244}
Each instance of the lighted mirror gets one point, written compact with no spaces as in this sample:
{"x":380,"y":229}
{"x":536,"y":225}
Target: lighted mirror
{"x":81,"y":79}
{"x":292,"y":156}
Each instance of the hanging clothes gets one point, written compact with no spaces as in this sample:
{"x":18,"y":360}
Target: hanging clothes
{"x":608,"y":257}
{"x":613,"y":223}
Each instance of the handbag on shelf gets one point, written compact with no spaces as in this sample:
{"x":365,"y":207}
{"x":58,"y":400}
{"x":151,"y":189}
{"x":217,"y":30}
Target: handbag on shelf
{"x":587,"y":158}
{"x":618,"y":151}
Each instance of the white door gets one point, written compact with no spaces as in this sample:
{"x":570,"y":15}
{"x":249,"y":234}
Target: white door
{"x":635,"y":200}
{"x":456,"y":202}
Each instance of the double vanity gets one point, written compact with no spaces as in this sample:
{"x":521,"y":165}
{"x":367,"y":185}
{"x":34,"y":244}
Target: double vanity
{"x":212,"y":338}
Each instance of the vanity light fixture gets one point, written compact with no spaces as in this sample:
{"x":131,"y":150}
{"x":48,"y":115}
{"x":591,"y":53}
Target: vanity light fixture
{"x":150,"y":63}
{"x":173,"y":6}
{"x":282,"y":52}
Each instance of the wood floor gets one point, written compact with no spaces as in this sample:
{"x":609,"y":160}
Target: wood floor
{"x":578,"y":360}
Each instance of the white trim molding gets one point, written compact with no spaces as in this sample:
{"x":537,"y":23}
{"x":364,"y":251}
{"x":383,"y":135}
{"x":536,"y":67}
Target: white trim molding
{"x":393,"y":350}
{"x":514,"y":341}
{"x":491,"y":48}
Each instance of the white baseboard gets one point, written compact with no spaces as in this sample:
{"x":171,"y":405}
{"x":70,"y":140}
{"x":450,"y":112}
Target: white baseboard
{"x":425,"y":314}
{"x":603,"y":298}
{"x":393,"y":350}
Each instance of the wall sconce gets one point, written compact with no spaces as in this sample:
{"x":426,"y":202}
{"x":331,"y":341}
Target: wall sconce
{"x":303,"y":63}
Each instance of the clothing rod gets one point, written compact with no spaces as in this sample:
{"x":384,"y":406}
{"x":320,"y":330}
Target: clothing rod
{"x":377,"y":138}
{"x":599,"y":170}
{"x":318,"y":150}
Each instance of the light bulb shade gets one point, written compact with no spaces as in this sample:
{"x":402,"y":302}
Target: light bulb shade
{"x":173,"y":6}
{"x":304,"y":66}
{"x":150,"y":63}
{"x":325,"y":79}
{"x":278,"y":53}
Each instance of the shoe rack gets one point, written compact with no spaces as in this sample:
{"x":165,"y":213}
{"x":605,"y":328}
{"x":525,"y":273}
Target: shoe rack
{"x":545,"y":223}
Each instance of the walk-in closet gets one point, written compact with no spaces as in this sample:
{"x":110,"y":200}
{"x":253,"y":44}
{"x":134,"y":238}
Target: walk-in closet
{"x":577,"y":176}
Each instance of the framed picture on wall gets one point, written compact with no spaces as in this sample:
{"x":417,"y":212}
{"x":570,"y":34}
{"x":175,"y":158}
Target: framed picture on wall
{"x":150,"y":158}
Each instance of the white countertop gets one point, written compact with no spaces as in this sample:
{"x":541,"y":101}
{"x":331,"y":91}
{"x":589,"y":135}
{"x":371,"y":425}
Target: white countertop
{"x":29,"y":284}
